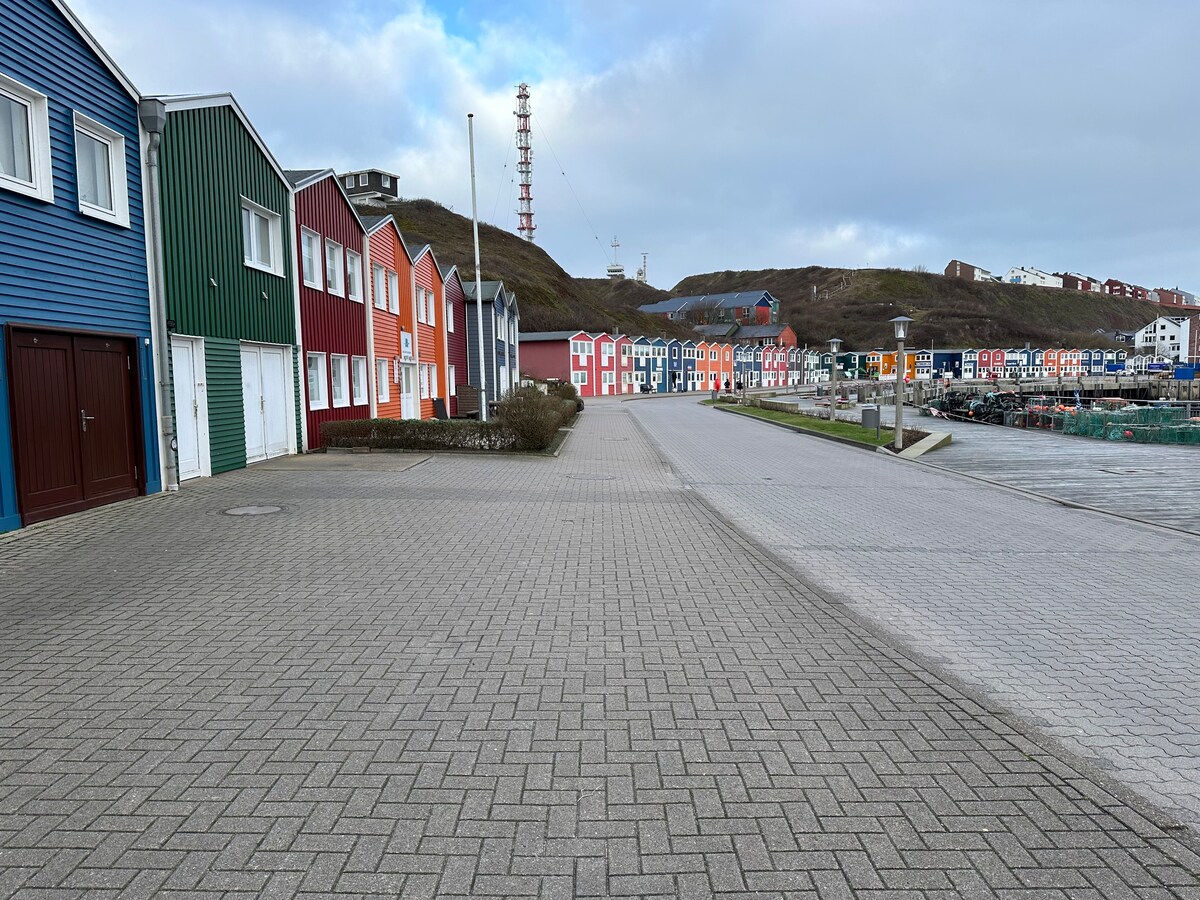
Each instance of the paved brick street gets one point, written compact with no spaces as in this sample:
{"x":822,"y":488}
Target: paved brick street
{"x":541,"y":678}
{"x":1083,"y":623}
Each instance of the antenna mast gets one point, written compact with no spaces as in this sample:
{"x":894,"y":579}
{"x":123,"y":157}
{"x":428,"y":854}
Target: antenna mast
{"x":524,"y":164}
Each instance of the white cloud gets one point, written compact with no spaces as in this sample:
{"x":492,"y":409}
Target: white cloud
{"x":716,"y":135}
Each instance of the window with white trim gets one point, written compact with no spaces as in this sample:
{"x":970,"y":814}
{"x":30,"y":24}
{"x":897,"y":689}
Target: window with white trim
{"x":433,"y":381}
{"x":310,"y":258}
{"x":423,"y":379}
{"x":262,"y":243}
{"x":452,"y":377}
{"x":349,"y":181}
{"x":354,"y":285}
{"x":100,"y":172}
{"x":25,"y":141}
{"x":335,"y":275}
{"x":581,"y":348}
{"x":606,"y":351}
{"x":626,"y":350}
{"x":431,"y":308}
{"x":383,"y":380}
{"x":608,"y":377}
{"x":579,"y":378}
{"x":362,"y":180}
{"x":340,"y":366}
{"x":358,"y":380}
{"x":379,"y":285}
{"x":393,"y":290}
{"x":318,"y":382}
{"x":386,"y":180}
{"x":421,"y":305}
{"x":449,"y":316}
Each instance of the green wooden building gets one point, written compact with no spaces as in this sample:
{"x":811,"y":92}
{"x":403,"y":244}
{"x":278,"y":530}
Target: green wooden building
{"x":230,"y":285}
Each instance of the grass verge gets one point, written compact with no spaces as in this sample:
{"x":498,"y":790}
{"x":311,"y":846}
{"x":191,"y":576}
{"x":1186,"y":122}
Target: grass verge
{"x":841,"y":428}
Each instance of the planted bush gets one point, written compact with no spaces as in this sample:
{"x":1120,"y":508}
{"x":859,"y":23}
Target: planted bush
{"x":527,"y":421}
{"x":533,"y":418}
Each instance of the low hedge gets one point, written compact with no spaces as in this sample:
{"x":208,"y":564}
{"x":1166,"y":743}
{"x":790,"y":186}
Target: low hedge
{"x":527,"y":421}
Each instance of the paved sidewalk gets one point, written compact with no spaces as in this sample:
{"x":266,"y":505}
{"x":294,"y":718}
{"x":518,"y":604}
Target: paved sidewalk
{"x":501,"y":677}
{"x":1019,"y":596}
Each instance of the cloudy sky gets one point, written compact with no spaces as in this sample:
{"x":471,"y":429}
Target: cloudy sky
{"x":735,"y":134}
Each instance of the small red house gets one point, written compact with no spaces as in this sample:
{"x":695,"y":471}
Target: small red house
{"x":456,"y":333}
{"x":429,"y":297}
{"x":330,"y":249}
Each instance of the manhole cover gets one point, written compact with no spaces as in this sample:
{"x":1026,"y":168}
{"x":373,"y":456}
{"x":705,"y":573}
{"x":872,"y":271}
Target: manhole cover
{"x":253,"y":510}
{"x":592,"y":477}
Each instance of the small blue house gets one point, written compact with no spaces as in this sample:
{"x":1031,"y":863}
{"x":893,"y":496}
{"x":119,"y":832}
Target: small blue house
{"x":659,"y":365}
{"x":501,"y":324}
{"x":689,"y":366}
{"x":675,"y":380}
{"x":77,"y":375}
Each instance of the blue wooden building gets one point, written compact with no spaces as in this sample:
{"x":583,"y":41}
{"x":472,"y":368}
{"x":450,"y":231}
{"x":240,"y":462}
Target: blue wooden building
{"x":501,"y":325}
{"x":77,"y":404}
{"x":689,"y":366}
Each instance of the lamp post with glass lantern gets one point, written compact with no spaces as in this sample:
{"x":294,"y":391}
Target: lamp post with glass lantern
{"x":835,"y":344}
{"x":900,"y":323}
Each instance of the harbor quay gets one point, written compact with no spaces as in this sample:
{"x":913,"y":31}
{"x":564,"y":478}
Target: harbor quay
{"x":589,"y":675}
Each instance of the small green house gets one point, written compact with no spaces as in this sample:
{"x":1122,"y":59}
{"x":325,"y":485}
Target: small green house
{"x":230,"y":284}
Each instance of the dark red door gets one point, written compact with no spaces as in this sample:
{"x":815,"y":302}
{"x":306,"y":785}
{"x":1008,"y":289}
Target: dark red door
{"x":73,"y":422}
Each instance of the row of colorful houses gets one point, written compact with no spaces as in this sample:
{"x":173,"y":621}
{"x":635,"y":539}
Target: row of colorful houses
{"x":601,"y":365}
{"x":175,"y":304}
{"x":1074,"y":281}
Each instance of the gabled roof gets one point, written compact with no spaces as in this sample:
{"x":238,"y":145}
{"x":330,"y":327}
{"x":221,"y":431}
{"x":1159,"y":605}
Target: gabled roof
{"x":304,"y":178}
{"x":95,"y":47}
{"x":719,"y":330}
{"x":373,"y":223}
{"x":546,"y":336}
{"x":179,"y":102}
{"x":490,"y":289}
{"x":758,"y":331}
{"x":663,"y":306}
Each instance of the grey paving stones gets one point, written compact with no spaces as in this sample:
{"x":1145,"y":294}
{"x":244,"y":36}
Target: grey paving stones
{"x":497,"y":678}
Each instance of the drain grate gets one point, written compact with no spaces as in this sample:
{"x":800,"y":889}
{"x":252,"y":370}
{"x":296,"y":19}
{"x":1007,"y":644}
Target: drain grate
{"x":253,"y":510}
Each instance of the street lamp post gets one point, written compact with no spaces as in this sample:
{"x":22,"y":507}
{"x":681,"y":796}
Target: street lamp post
{"x":900,"y":323}
{"x":835,"y":344}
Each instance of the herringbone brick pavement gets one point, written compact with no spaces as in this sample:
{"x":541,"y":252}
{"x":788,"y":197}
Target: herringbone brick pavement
{"x":501,"y":677}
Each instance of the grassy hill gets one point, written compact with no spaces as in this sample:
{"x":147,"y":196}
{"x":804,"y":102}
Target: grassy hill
{"x":550,"y":299}
{"x":856,"y":304}
{"x":853,"y":304}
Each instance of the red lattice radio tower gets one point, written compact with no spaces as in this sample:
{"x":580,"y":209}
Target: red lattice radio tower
{"x":524,"y":164}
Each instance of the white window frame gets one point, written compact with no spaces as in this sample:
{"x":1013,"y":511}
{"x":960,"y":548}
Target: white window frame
{"x":378,"y":286}
{"x":320,"y":398}
{"x":275,"y":222}
{"x":41,"y":183}
{"x":354,"y":276}
{"x":362,"y":180}
{"x":335,"y":275}
{"x":452,"y":376}
{"x":421,"y":305}
{"x":119,"y":214}
{"x":423,"y":380}
{"x":393,"y":292}
{"x":349,"y":181}
{"x":385,"y":180}
{"x":578,"y":378}
{"x":431,"y":312}
{"x":342,"y":361}
{"x":433,"y":381}
{"x":311,"y":274}
{"x":358,"y":381}
{"x":449,"y":317}
{"x":609,"y":377}
{"x":383,"y":379}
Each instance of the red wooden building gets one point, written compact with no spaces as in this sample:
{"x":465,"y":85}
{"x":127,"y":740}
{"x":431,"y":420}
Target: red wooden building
{"x":330,"y":249}
{"x":456,"y":334}
{"x":394,"y":374}
{"x":429,"y":296}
